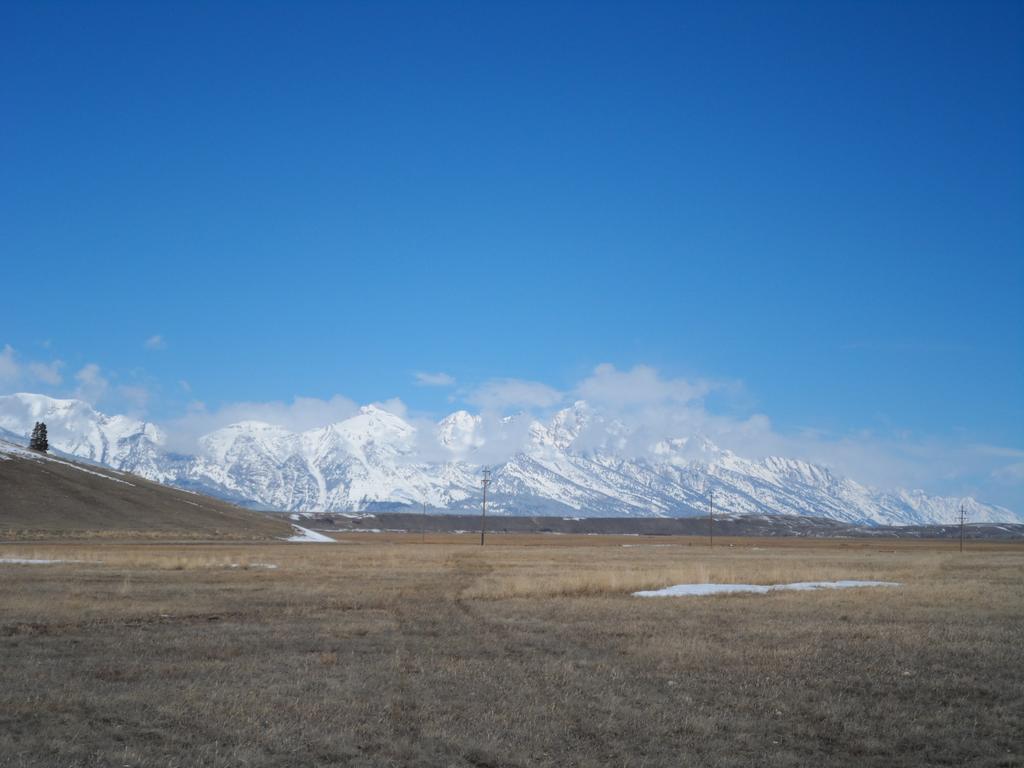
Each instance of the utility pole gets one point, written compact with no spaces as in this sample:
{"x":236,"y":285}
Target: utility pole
{"x":483,"y":511}
{"x":711,"y":517}
{"x":423,"y":525}
{"x":961,"y":527}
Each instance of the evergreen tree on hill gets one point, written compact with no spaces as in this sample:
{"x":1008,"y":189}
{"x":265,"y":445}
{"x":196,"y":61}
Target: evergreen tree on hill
{"x":39,"y":440}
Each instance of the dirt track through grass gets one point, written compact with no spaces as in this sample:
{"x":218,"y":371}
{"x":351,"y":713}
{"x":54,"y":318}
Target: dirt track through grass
{"x":387,"y":652}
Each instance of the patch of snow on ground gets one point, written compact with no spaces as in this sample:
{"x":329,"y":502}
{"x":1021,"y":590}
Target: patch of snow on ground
{"x":306,"y":535}
{"x":90,"y":472}
{"x":270,"y":566}
{"x":34,"y":561}
{"x":700,"y":590}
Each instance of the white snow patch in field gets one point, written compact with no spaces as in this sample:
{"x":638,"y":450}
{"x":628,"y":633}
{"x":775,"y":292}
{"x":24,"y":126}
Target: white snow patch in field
{"x":304,"y":535}
{"x":699,"y":590}
{"x":270,"y":566}
{"x":34,"y":561}
{"x":347,"y":531}
{"x":648,"y":545}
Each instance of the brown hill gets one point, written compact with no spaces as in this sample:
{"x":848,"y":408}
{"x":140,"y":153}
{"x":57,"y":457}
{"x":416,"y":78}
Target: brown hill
{"x":42,"y":496}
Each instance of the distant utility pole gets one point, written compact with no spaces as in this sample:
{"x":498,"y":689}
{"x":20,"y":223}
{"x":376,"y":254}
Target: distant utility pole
{"x":711,"y":517}
{"x":961,"y":527}
{"x":423,"y":524}
{"x":483,"y":512}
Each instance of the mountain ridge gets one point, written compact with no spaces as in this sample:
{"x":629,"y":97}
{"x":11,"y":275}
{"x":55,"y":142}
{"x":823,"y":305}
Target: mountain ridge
{"x":573,"y":464}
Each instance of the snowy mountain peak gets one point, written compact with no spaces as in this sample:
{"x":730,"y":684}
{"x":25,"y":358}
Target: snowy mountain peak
{"x":250,"y":427}
{"x":75,"y":427}
{"x":459,"y":432}
{"x":40,"y":405}
{"x":234,"y":437}
{"x":568,"y":423}
{"x":373,"y":424}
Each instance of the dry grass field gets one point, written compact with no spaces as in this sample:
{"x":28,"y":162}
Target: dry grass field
{"x":386,"y":651}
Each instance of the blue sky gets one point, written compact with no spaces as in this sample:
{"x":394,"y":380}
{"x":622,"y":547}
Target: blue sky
{"x":815,"y":206}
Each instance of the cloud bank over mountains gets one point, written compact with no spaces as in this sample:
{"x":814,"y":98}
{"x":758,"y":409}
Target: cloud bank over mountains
{"x":580,"y":460}
{"x":645,"y":406}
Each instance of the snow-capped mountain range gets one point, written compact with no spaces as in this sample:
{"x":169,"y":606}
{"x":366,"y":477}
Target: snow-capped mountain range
{"x":571,"y":465}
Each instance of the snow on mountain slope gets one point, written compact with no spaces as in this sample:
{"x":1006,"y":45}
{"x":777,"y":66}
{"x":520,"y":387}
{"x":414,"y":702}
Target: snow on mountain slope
{"x":459,"y":432}
{"x":74,"y":427}
{"x":344,"y":466}
{"x":574,"y":464}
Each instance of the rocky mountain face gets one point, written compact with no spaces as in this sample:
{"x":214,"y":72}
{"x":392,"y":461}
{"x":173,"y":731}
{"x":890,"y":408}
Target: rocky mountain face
{"x":573,"y":465}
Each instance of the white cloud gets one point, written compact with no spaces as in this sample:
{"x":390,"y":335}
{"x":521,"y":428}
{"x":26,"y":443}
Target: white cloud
{"x":48,"y":373}
{"x":300,"y":414}
{"x":1010,"y":473}
{"x":891,"y":460}
{"x":434,"y":379}
{"x":393,"y":405}
{"x":137,"y":397}
{"x":155,"y":342}
{"x":10,"y":371}
{"x":640,"y":385}
{"x":14,"y":372}
{"x":637,"y":408}
{"x":92,"y":384}
{"x":501,"y":394}
{"x":997,"y":450}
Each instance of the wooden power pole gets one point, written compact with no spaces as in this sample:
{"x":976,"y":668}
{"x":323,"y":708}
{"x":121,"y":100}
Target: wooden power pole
{"x":711,"y":518}
{"x":961,"y":527}
{"x":423,"y":525}
{"x":483,"y":511}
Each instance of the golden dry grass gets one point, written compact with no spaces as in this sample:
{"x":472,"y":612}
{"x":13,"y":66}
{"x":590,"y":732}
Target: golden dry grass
{"x":529,"y":651}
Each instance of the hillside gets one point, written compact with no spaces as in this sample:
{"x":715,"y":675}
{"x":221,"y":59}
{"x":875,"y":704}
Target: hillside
{"x":46,"y":495}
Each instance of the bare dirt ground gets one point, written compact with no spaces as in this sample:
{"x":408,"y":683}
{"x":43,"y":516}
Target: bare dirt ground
{"x":386,"y":651}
